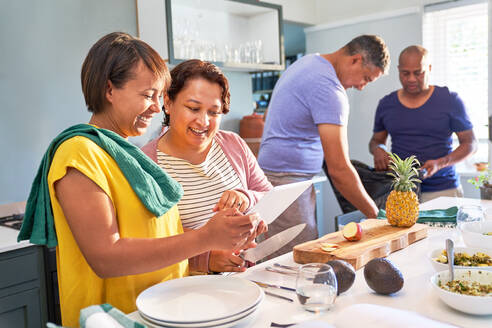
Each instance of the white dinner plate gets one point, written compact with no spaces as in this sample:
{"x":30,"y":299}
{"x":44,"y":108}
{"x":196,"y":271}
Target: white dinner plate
{"x":198,"y":299}
{"x":204,"y":324}
{"x":228,"y":322}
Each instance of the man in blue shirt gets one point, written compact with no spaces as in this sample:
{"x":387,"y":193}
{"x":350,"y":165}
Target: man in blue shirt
{"x":421,"y":118}
{"x":306,"y":124}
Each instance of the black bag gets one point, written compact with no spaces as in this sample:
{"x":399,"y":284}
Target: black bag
{"x":377,"y":184}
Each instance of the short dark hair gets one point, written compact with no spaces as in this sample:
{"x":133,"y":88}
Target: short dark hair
{"x":373,"y":50}
{"x":114,"y":58}
{"x":413,"y":49}
{"x":194,"y":69}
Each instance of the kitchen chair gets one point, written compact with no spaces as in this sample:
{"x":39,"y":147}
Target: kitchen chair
{"x":343,"y":219}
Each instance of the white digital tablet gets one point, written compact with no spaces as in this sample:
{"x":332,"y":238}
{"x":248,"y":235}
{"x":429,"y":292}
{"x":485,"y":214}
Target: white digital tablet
{"x":276,"y":201}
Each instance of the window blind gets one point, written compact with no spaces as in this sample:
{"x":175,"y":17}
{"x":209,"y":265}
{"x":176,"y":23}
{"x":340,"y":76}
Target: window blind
{"x":457,"y":41}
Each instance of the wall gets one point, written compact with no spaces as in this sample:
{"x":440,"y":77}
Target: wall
{"x":299,"y":11}
{"x":294,"y":39}
{"x":315,"y":12}
{"x":43,"y":45}
{"x":329,"y":11}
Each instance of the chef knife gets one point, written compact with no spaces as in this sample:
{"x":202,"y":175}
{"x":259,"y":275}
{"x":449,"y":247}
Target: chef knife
{"x":272,"y":244}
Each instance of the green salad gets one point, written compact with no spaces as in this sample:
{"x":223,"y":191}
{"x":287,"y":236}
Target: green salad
{"x":478,"y":259}
{"x":467,"y":287}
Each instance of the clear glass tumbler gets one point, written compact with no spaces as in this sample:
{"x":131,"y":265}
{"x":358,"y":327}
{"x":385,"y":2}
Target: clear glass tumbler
{"x":316,"y":287}
{"x":469,"y":213}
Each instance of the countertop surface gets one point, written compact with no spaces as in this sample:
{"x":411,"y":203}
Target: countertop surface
{"x":416,"y":296}
{"x":8,"y":240}
{"x":8,"y":236}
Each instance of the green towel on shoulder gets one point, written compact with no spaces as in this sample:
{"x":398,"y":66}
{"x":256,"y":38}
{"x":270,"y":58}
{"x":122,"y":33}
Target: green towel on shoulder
{"x":432,"y":217}
{"x":157,"y":190}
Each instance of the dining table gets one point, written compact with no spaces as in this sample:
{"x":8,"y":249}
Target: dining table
{"x":416,"y":296}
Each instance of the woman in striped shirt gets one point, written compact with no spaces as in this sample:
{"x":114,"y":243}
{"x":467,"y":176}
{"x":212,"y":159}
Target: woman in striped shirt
{"x":216,"y":168}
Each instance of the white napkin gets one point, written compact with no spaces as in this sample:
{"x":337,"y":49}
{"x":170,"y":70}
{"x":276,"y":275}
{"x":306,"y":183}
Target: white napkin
{"x":100,"y":320}
{"x":313,"y":324}
{"x":105,"y":316}
{"x":370,"y":315}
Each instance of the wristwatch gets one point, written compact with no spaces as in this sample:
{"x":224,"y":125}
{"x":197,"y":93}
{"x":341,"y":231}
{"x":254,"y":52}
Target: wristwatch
{"x":383,"y":147}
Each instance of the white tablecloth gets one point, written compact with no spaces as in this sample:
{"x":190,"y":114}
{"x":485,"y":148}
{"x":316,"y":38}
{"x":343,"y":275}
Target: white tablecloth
{"x":416,"y":294}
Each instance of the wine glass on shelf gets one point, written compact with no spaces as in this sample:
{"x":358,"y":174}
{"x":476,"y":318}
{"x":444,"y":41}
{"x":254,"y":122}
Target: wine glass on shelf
{"x":258,"y":51}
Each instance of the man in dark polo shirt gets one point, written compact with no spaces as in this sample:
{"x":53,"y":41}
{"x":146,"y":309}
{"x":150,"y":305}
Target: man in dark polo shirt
{"x":421,"y":118}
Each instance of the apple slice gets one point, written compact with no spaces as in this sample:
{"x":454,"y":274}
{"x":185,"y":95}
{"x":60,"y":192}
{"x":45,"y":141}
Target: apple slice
{"x":327,"y":247}
{"x":352,"y":231}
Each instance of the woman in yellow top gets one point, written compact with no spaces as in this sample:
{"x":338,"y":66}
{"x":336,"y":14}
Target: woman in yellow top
{"x":111,"y":243}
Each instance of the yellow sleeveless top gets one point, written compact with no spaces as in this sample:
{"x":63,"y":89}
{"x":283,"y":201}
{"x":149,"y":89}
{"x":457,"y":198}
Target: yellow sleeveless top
{"x":79,"y":286}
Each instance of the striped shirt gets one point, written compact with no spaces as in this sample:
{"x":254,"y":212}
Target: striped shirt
{"x":203,"y":184}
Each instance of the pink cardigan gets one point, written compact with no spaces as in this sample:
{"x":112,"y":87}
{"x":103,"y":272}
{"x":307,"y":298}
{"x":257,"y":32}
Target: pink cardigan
{"x":243,"y":162}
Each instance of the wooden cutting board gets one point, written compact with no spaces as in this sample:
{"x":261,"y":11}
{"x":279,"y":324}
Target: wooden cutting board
{"x":379,"y":239}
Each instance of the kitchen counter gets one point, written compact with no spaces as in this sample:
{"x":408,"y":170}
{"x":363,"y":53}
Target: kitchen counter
{"x":8,"y":236}
{"x":8,"y":240}
{"x":416,"y":295}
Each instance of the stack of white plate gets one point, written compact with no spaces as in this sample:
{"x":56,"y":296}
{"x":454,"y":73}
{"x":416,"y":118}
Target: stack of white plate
{"x":200,"y":301}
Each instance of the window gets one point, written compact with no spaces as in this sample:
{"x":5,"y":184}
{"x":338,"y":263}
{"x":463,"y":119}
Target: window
{"x":456,"y":35}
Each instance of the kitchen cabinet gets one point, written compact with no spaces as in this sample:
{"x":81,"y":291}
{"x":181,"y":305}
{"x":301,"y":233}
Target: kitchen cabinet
{"x":242,"y":35}
{"x":22,"y":288}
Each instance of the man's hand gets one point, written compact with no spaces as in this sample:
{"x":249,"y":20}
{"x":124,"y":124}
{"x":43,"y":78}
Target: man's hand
{"x":232,"y":199}
{"x":377,"y":147}
{"x":381,"y":159}
{"x":225,"y":261}
{"x":467,"y":146}
{"x":431,"y":167}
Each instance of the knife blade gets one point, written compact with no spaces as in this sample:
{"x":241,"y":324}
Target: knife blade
{"x":272,"y":244}
{"x":275,"y":201}
{"x":264,"y":284}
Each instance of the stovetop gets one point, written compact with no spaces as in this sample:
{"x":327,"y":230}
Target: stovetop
{"x":12,"y":221}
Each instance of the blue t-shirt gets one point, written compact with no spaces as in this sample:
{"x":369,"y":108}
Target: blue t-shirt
{"x":307,"y":94}
{"x":425,"y":131}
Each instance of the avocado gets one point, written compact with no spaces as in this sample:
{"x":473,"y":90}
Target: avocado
{"x":382,"y":276}
{"x":345,"y":274}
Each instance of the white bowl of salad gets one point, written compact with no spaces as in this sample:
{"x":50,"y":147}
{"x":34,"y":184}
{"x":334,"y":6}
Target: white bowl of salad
{"x":469,"y":292}
{"x":464,"y":258}
{"x":477,"y":234}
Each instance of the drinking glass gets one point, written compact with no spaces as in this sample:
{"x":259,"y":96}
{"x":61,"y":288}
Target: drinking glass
{"x":316,"y":287}
{"x":469,"y":213}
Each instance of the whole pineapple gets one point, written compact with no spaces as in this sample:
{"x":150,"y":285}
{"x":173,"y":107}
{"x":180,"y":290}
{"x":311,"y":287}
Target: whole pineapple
{"x":402,"y":204}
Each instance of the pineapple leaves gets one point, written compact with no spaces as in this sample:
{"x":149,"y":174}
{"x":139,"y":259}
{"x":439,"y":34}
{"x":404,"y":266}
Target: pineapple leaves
{"x":405,"y":172}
